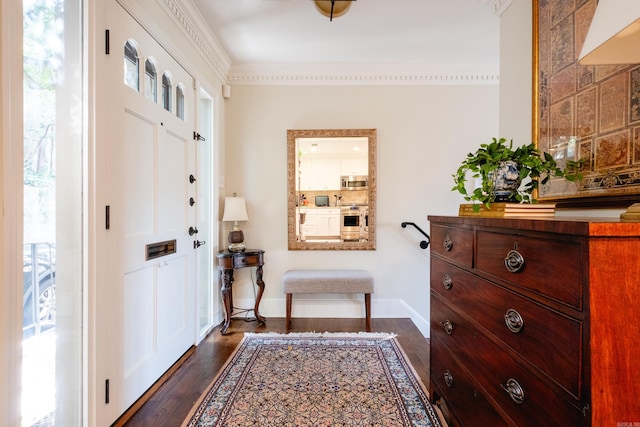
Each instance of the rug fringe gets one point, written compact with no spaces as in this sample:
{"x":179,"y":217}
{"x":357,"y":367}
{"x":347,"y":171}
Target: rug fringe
{"x":381,"y":335}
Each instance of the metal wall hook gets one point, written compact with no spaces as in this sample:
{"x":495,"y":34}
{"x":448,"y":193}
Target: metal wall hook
{"x":424,"y":244}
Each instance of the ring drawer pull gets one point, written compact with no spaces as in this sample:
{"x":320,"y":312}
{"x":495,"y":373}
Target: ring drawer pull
{"x":448,"y":243}
{"x":514,"y":261}
{"x":448,"y":378}
{"x":447,"y":282}
{"x":515,"y":391}
{"x":513,"y":320}
{"x":447,"y":326}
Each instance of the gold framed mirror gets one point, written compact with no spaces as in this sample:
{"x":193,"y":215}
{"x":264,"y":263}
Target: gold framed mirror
{"x":331,"y":189}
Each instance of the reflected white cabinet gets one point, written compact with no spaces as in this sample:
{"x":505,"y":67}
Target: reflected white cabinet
{"x":354,"y":166}
{"x":323,"y":222}
{"x":328,"y":222}
{"x":310,"y":226}
{"x":326,"y":174}
{"x":319,"y":174}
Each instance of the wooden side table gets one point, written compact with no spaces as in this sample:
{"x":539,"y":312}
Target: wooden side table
{"x":227,"y":263}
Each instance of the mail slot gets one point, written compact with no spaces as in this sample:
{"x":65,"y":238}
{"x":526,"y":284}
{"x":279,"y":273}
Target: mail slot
{"x":160,"y":249}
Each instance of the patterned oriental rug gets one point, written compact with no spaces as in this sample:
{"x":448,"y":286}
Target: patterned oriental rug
{"x":309,"y":379}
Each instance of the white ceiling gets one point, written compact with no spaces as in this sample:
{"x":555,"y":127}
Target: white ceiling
{"x":379,"y":33}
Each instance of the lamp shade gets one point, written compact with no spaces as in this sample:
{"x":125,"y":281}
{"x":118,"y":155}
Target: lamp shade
{"x":614,"y":34}
{"x":235,"y":209}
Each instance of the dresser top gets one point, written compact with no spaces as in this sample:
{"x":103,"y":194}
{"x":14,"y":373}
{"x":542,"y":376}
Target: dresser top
{"x":594,"y":227}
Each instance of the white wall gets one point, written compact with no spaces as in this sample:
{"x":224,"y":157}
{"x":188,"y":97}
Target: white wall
{"x":424,"y":132}
{"x":516,"y":89}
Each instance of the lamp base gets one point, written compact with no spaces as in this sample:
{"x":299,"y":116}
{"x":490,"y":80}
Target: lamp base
{"x":236,"y":247}
{"x":632,"y":214}
{"x":236,"y":239}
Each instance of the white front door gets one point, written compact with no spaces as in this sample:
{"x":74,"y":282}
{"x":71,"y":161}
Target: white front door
{"x":149,"y":288}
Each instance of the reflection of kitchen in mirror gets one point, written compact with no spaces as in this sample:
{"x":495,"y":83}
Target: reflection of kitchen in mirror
{"x":332,"y":191}
{"x":331,"y":182}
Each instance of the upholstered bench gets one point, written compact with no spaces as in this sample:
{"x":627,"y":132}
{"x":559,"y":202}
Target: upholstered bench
{"x":328,"y":282}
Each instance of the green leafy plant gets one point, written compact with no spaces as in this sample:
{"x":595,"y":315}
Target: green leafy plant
{"x":532,"y":163}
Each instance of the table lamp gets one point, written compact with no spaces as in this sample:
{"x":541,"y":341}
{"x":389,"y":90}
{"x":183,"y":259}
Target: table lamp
{"x":614,"y":34}
{"x":614,"y":38}
{"x":235,"y":209}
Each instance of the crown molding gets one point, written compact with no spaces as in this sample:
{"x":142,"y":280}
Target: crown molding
{"x":189,"y":21}
{"x":187,"y":17}
{"x":193,"y":25}
{"x":363,"y":74}
{"x":499,"y":6}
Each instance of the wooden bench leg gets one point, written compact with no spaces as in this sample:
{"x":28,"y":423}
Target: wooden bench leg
{"x":288,"y":321}
{"x":367,"y":309}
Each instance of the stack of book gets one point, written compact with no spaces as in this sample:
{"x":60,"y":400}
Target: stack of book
{"x":510,"y":210}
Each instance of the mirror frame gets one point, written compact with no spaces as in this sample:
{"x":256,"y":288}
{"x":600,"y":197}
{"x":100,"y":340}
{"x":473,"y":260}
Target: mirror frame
{"x":294,"y":134}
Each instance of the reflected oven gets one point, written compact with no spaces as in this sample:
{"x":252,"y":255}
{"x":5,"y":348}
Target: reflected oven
{"x":350,"y":223}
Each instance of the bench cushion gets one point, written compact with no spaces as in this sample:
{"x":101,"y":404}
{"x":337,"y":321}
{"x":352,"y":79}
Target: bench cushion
{"x":327,"y":282}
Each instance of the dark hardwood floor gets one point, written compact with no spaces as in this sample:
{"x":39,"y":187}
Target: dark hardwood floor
{"x":171,"y":403}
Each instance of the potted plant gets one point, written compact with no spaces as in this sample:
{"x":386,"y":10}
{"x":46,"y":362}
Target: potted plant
{"x":502,"y":168}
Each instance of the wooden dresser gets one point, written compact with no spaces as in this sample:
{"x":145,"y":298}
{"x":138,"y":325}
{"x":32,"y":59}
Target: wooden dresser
{"x":536,"y":322}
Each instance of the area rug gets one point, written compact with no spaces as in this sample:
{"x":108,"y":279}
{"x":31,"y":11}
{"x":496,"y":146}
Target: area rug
{"x":328,"y":379}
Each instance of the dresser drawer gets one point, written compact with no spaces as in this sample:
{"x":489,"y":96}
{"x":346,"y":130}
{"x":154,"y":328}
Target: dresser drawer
{"x":449,"y":280}
{"x":521,"y":324}
{"x":453,"y":243}
{"x":495,"y":370}
{"x":455,"y":386}
{"x":551,"y":268}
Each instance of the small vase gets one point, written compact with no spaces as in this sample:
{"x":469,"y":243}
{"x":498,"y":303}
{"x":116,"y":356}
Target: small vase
{"x":506,"y":181}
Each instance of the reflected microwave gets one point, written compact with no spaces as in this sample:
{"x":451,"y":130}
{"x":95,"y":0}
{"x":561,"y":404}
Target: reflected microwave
{"x":354,"y":182}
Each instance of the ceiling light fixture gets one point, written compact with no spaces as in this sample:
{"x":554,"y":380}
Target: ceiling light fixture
{"x":333,"y":8}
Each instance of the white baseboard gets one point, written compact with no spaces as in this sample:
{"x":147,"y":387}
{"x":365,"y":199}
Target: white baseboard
{"x":337,"y":306}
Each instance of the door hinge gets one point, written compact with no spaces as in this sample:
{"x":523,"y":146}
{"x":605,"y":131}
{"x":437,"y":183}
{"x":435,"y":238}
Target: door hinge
{"x":107,"y":217}
{"x":197,"y":136}
{"x":106,"y":391}
{"x":107,"y":42}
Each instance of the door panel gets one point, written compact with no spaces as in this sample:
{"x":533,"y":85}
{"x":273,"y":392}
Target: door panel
{"x":139,"y":176}
{"x":172,"y":179}
{"x":151,"y":302}
{"x":139,"y":312}
{"x":172,"y":323}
